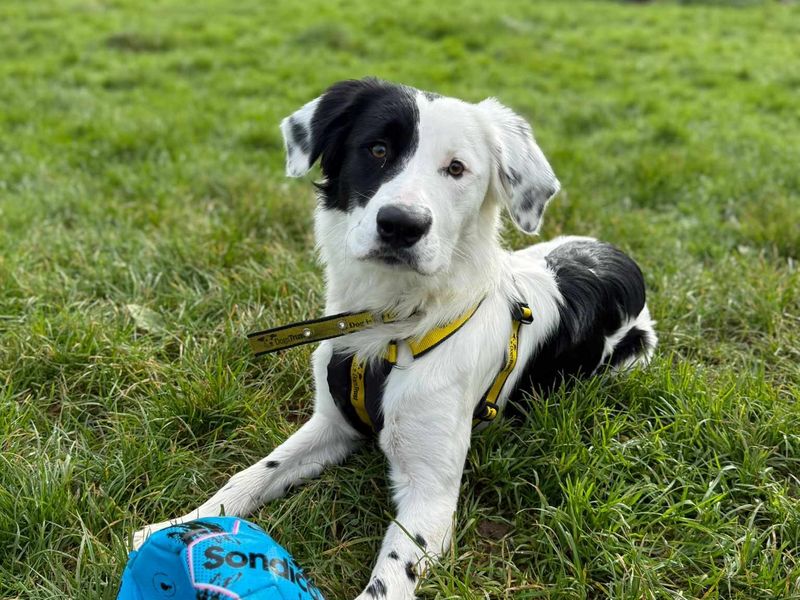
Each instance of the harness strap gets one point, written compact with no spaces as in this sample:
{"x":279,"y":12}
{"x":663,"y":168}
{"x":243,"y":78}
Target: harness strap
{"x":433,"y":338}
{"x":358,"y":391}
{"x":487,"y":407}
{"x":357,"y":388}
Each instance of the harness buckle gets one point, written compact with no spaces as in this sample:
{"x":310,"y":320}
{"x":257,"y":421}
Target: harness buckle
{"x":522,"y":312}
{"x":485,"y":411}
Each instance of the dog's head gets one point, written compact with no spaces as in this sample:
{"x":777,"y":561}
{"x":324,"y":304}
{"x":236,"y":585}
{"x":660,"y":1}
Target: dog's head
{"x":410,"y":172}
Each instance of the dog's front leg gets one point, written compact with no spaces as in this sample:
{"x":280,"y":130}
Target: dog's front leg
{"x":323,"y":440}
{"x":426,"y":458}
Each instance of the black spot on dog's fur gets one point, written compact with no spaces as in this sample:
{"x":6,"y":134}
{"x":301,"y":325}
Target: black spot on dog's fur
{"x":377,"y":589}
{"x":352,"y":115}
{"x":601,"y":287}
{"x":529,"y":200}
{"x":393,"y":555}
{"x":634,"y":342}
{"x":420,"y":541}
{"x":512,"y":176}
{"x":534,"y":199}
{"x":272,"y":464}
{"x":300,"y":136}
{"x":410,"y":572}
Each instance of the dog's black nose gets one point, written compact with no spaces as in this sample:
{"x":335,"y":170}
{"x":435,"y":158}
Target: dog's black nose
{"x":401,"y":226}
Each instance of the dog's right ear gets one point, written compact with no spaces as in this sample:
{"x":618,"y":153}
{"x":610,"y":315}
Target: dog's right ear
{"x":319,"y":128}
{"x":296,"y":131}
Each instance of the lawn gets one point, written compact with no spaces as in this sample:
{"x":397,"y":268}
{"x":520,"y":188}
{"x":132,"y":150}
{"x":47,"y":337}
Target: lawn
{"x":147,"y":226}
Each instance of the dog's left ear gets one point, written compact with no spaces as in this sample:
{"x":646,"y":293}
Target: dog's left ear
{"x":523,"y":179}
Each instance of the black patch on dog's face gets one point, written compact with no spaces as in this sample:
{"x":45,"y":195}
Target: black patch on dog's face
{"x":351,"y":117}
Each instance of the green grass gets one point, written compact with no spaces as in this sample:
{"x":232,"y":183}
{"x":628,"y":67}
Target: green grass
{"x":147,"y":225}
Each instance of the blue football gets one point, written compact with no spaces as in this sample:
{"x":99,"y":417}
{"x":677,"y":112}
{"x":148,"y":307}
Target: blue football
{"x":218,"y":558}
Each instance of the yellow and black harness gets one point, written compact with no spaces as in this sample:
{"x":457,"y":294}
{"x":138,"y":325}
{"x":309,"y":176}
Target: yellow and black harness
{"x":357,"y":386}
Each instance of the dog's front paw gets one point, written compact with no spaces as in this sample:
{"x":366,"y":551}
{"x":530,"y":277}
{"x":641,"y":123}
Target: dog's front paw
{"x":376,"y":590}
{"x":379,"y":589}
{"x":145,"y":532}
{"x":139,"y":537}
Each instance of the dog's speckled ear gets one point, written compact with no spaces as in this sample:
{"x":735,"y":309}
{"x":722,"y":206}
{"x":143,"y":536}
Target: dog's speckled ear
{"x":320,"y":126}
{"x":522,"y":178}
{"x":296,"y":130}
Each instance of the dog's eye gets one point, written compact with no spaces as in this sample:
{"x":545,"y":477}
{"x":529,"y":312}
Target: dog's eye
{"x":378,"y":150}
{"x":455,"y":169}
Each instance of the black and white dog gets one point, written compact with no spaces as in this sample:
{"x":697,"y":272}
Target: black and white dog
{"x":407,"y":223}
